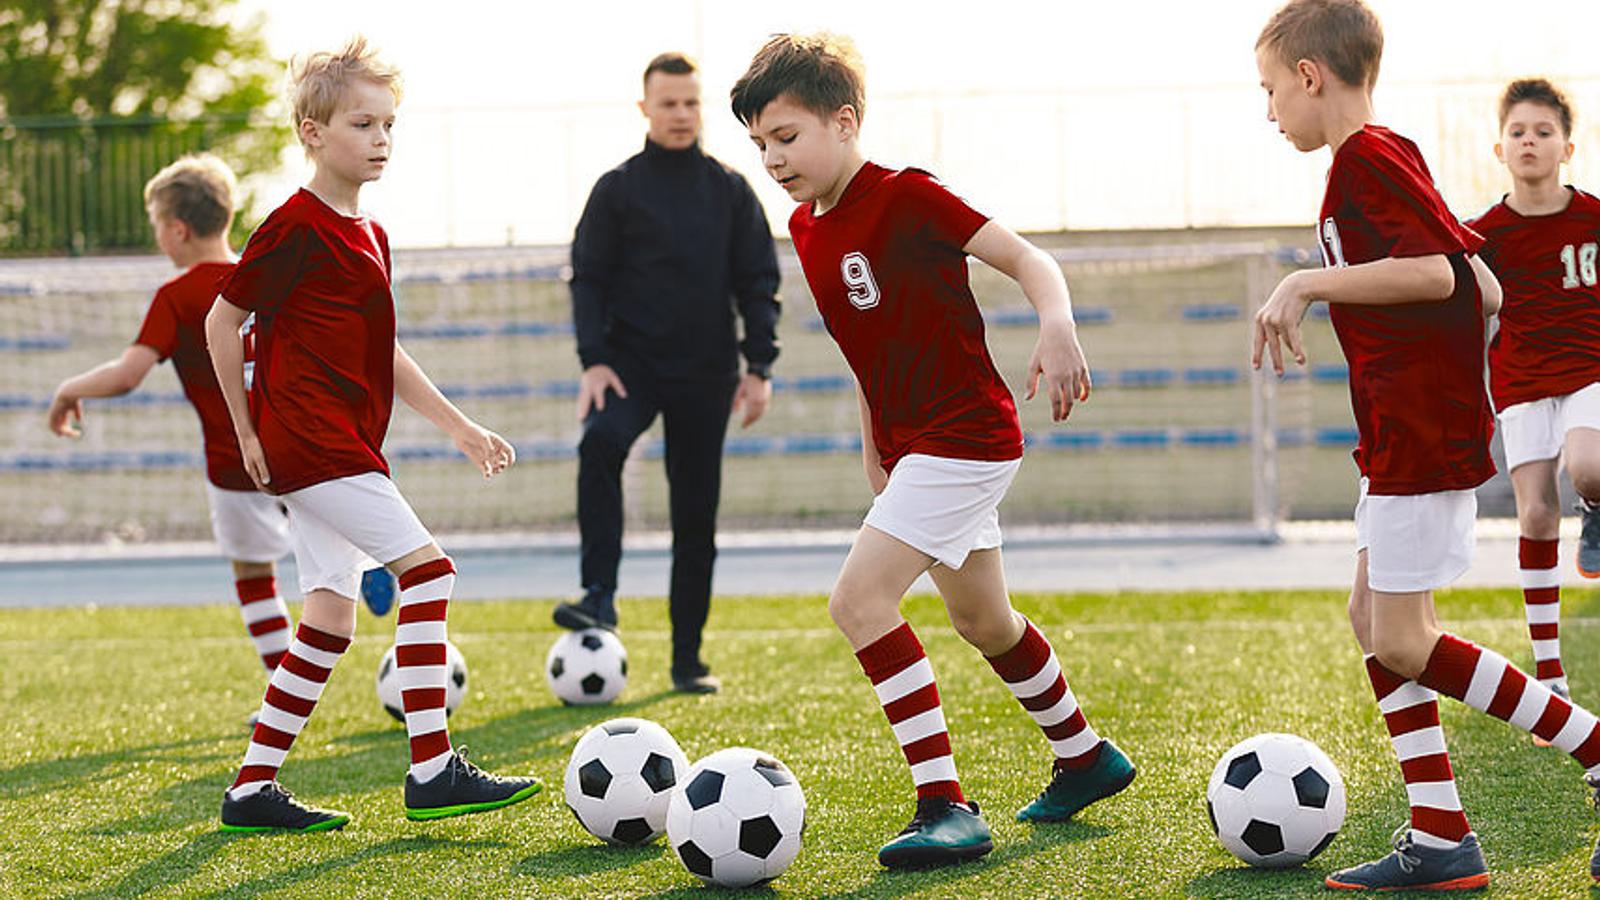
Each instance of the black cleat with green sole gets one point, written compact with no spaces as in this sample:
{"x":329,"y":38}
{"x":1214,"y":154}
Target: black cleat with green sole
{"x":463,"y":788}
{"x":273,"y":808}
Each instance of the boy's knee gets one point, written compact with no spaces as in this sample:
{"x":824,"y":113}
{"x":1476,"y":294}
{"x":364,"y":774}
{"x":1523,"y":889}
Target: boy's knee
{"x":990,"y":632}
{"x":602,"y":441}
{"x":1586,"y":481}
{"x":1405,"y":654}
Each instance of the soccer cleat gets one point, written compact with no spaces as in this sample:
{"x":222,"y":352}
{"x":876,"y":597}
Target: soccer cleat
{"x":273,"y":808}
{"x":1414,"y":867}
{"x":463,"y":788}
{"x":695,"y":680}
{"x":1593,"y":782}
{"x":1560,"y":690}
{"x":378,"y":587}
{"x":940,"y":834}
{"x":597,"y":609}
{"x":1070,"y":790}
{"x":1589,"y":540}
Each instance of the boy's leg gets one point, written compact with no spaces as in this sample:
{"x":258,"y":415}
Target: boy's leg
{"x":1539,"y":520}
{"x":1582,"y":456}
{"x":255,"y":802}
{"x":266,"y":616}
{"x":695,"y":422}
{"x":608,"y":435}
{"x":866,"y":606}
{"x":251,"y":530}
{"x":1086,"y":768}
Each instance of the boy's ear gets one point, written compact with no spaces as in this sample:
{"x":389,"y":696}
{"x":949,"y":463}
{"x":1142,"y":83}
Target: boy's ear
{"x":182,"y":230}
{"x":310,"y":132}
{"x":848,"y":122}
{"x":1500,"y":152}
{"x":1566,"y":155}
{"x":1311,"y":76}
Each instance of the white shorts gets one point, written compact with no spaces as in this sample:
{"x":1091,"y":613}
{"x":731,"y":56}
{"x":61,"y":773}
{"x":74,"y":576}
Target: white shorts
{"x":339,"y":524}
{"x":249,"y":526}
{"x":944,"y":507}
{"x":1536,"y":430}
{"x":1415,"y":542}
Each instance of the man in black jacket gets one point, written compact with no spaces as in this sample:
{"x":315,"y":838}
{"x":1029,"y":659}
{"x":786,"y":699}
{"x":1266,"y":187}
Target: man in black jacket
{"x":672,"y":245}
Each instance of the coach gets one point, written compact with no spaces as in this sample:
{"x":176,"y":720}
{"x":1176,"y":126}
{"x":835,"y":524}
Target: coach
{"x":672,"y":244}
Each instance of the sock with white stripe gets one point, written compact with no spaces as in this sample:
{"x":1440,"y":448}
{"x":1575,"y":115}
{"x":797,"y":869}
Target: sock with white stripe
{"x":1411,"y":713}
{"x":266,"y":617}
{"x":1032,"y":672}
{"x":1485,"y":681}
{"x":903,"y":679}
{"x":420,"y":662}
{"x":292,"y":693}
{"x":1541,"y":599}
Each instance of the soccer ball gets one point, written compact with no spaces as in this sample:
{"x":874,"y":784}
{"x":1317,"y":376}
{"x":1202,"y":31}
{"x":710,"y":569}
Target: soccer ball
{"x":455,"y":682}
{"x":737,"y":818}
{"x":587,"y":667}
{"x":620,"y":780}
{"x":1275,"y":800}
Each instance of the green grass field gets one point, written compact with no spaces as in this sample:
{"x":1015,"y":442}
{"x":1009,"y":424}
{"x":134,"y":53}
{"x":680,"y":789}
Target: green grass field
{"x":122,"y":726}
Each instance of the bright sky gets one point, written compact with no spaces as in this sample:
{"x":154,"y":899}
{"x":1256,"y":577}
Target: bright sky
{"x":1047,"y":115}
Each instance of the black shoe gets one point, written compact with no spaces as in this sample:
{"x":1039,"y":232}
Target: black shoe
{"x":695,"y":680}
{"x":597,"y":609}
{"x":940,"y":834}
{"x":273,"y":808}
{"x":463,"y":788}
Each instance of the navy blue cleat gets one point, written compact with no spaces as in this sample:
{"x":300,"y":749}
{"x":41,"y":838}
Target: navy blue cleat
{"x":378,"y":587}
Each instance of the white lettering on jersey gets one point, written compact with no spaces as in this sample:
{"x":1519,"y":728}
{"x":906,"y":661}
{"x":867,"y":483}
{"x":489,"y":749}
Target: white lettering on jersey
{"x":862,"y":288}
{"x":1332,"y":249}
{"x":1579,"y":262}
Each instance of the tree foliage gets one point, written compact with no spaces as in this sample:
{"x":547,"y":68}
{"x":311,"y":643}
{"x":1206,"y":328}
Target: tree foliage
{"x":151,"y":77}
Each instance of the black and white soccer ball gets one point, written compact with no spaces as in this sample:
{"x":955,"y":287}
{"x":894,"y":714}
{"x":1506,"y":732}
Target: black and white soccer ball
{"x":736,"y":818}
{"x":620,"y":779}
{"x":587,"y":667}
{"x":455,"y":682}
{"x":1275,"y":800}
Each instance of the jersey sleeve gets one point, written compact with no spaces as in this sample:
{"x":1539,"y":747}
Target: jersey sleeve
{"x":159,"y":331}
{"x":270,"y":266}
{"x":1401,"y":204}
{"x":945,"y":218}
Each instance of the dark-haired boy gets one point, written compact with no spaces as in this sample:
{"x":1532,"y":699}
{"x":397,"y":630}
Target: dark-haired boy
{"x":1407,"y":296}
{"x":1542,"y":240}
{"x":885,"y":254}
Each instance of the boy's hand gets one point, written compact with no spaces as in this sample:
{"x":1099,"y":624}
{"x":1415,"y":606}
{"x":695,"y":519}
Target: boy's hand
{"x":66,"y":416}
{"x":1279,"y":320}
{"x":753,"y":396}
{"x":1058,"y":358}
{"x":490,"y":452}
{"x":255,"y":460}
{"x":592,"y":387}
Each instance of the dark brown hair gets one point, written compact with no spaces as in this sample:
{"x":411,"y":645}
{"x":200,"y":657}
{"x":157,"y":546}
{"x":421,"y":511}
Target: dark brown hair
{"x":822,"y":72}
{"x":1343,"y":35}
{"x":671,"y":63}
{"x":1540,"y":91}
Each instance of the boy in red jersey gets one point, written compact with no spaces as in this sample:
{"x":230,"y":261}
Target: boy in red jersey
{"x":1407,"y":296}
{"x":884,"y":253}
{"x":1541,"y":240}
{"x":316,"y":275}
{"x":190,"y":204}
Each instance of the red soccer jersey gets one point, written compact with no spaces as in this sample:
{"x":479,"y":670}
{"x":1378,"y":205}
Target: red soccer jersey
{"x":323,"y":385}
{"x":1416,"y":369}
{"x":1548,"y":344}
{"x":175,"y":327}
{"x":890,"y":280}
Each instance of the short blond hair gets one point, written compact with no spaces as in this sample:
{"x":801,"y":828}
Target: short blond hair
{"x":198,"y":190}
{"x":318,"y":82}
{"x":1343,"y":35}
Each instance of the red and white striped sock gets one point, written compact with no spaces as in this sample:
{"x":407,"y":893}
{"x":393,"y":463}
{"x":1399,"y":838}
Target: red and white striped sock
{"x":1482,"y":679}
{"x":1541,"y":599}
{"x":1411,"y":713}
{"x":420,"y":662}
{"x":903,"y":678}
{"x":292,"y":693}
{"x":266,"y":617}
{"x":1032,"y":672}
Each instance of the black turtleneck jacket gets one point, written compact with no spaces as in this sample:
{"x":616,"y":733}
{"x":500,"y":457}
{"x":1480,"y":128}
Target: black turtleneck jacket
{"x":671,"y":244}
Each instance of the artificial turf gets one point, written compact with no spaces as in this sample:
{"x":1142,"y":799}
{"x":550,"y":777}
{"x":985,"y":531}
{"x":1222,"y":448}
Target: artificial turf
{"x":120,"y":727}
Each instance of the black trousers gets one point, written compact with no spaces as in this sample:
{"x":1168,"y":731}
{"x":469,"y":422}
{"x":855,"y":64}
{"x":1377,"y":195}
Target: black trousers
{"x":695,"y":418}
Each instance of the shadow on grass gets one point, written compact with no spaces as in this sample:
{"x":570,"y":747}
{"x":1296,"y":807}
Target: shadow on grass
{"x":588,"y":859}
{"x":376,"y":762}
{"x":46,"y":775}
{"x":1247,"y":881}
{"x":266,"y":884}
{"x":168,"y":869}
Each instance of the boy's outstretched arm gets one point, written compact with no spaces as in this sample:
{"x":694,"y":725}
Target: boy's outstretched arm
{"x":1057,"y":356}
{"x":490,"y":452}
{"x":112,"y":378}
{"x":1383,"y":282}
{"x":227,"y":359}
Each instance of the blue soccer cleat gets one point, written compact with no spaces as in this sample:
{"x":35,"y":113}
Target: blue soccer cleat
{"x":378,"y":587}
{"x":1071,"y":790}
{"x":941,"y":833}
{"x":1414,"y":867}
{"x":1589,"y":540}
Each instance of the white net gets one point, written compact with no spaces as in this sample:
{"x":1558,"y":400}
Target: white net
{"x":1177,"y":431}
